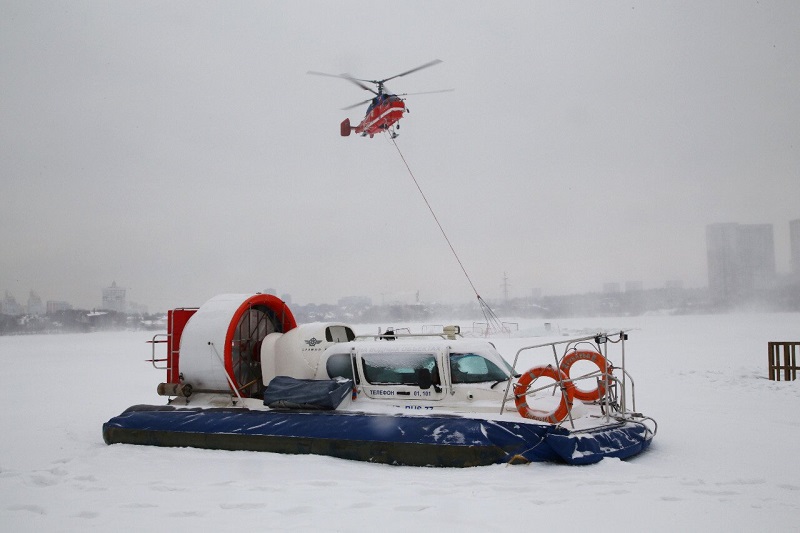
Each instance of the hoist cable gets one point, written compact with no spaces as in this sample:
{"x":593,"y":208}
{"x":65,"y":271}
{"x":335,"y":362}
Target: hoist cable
{"x":488,"y":313}
{"x":435,"y":218}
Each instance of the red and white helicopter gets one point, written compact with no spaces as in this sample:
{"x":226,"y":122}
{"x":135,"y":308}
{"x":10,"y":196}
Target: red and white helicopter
{"x":385,"y":108}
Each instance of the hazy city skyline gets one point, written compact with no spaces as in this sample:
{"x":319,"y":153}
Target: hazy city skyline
{"x":181,"y":149}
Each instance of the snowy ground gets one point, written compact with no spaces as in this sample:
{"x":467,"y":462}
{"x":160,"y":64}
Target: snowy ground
{"x":725,"y":457}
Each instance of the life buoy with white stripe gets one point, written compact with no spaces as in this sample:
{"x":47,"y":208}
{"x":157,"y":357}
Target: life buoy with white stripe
{"x":521,"y":399}
{"x":594,"y":357}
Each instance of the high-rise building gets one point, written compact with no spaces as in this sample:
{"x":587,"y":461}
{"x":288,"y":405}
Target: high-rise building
{"x":114,"y":298}
{"x":9,"y":306}
{"x":35,"y":305}
{"x":54,"y":306}
{"x":794,"y":246}
{"x":741,"y":259}
{"x":634,"y":286}
{"x":611,"y":287}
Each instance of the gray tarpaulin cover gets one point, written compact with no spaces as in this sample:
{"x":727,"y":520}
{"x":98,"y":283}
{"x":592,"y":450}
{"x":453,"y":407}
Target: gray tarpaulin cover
{"x":284,"y":392}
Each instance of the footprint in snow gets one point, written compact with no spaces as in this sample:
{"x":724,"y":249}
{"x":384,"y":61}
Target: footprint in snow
{"x":299,"y":509}
{"x":751,"y":481}
{"x":139,"y":505}
{"x":708,"y":492}
{"x":411,"y":508}
{"x":43,"y":481}
{"x":165,"y":488}
{"x":243,"y":505}
{"x":30,"y":508}
{"x":4,"y":473}
{"x":361,"y":505}
{"x":185,"y":514}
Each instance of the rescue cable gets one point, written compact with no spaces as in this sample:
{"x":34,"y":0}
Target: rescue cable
{"x":491,"y":318}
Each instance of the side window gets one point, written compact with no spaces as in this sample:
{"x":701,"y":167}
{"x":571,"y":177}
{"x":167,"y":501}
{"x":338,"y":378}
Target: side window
{"x":338,"y":365}
{"x":473,"y":368}
{"x":398,"y":368}
{"x":339,"y":334}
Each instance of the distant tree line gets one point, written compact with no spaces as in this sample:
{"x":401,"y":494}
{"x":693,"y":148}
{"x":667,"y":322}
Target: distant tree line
{"x":79,"y":321}
{"x":628,"y":303}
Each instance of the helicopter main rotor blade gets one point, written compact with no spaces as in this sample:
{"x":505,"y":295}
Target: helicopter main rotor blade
{"x":427,"y":92}
{"x":426,"y":65}
{"x":357,"y":105}
{"x":401,"y":94}
{"x":351,"y":79}
{"x":347,"y":77}
{"x":315,"y":73}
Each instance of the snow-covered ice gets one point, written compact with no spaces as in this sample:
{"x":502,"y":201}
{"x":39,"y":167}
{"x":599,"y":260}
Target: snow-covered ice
{"x":724,"y":458}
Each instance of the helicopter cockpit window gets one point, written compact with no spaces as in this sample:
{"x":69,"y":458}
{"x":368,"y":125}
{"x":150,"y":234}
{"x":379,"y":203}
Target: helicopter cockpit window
{"x":473,"y":368}
{"x":398,"y":368}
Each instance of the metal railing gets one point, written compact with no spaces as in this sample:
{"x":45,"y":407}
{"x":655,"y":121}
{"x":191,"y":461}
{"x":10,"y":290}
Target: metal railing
{"x":447,"y":332}
{"x":616,"y":388}
{"x":157,"y":340}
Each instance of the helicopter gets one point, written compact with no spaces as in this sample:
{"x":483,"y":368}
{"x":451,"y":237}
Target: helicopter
{"x":385,"y":108}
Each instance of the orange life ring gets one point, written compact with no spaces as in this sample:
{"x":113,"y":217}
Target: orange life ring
{"x":521,"y":400}
{"x":594,"y":357}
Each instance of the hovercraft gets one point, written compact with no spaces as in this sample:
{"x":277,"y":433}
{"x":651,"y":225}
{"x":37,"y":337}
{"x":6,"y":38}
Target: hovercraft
{"x":242,"y":375}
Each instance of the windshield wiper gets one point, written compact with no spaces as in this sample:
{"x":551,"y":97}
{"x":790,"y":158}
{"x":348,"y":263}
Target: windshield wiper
{"x":503,"y":380}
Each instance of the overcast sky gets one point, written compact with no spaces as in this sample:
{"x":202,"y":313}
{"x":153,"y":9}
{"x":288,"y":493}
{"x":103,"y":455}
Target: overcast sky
{"x":181,"y":150}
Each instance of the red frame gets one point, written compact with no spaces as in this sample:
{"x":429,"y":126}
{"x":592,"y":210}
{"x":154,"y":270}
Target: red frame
{"x":275,"y":304}
{"x":176,"y":321}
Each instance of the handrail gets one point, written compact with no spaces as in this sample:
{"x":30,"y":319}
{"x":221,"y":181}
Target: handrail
{"x":596,"y":342}
{"x":446,"y":335}
{"x":154,"y":341}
